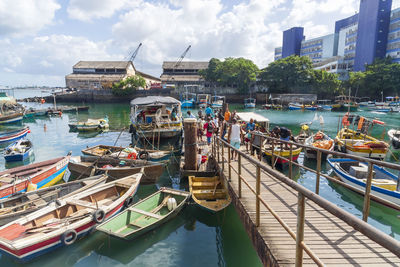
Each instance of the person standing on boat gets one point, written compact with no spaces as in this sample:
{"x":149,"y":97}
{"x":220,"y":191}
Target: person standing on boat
{"x":209,"y":127}
{"x":209,"y":112}
{"x":235,"y":137}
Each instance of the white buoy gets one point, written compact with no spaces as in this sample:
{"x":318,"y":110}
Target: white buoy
{"x":321,"y":120}
{"x":171,"y":203}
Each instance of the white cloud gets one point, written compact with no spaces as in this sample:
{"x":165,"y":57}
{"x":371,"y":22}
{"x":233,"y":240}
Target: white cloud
{"x":26,"y":17}
{"x":87,"y":10}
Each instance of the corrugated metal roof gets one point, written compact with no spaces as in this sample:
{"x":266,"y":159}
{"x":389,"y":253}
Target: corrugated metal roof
{"x":186,"y":65}
{"x":180,"y":78}
{"x":95,"y":76}
{"x":101,"y":64}
{"x":145,"y":75}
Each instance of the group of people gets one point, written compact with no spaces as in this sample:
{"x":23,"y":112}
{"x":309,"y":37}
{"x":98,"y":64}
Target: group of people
{"x":225,"y":125}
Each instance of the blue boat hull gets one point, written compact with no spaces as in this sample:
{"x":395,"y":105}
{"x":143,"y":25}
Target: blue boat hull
{"x":19,"y":157}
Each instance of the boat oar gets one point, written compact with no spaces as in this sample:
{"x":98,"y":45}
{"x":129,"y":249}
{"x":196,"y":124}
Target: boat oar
{"x":215,"y":186}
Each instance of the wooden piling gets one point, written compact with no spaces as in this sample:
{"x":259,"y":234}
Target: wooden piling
{"x":190,"y":128}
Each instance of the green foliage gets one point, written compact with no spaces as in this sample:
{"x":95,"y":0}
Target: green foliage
{"x":325,"y":85}
{"x":232,"y":72}
{"x":128,"y":86}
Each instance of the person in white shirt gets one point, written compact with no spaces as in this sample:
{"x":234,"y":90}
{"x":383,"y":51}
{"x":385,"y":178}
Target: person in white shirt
{"x":235,"y":137}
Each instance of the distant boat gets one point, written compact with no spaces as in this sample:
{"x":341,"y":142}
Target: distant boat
{"x":90,"y":125}
{"x":203,"y":100}
{"x":295,"y":106}
{"x":146,"y":215}
{"x":394,"y":136}
{"x":188,"y":100}
{"x":10,"y":136}
{"x":217,"y":101}
{"x":18,"y":151}
{"x":250,"y":103}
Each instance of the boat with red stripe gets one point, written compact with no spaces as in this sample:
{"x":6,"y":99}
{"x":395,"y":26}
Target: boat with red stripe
{"x":61,"y":224}
{"x":43,"y":174}
{"x":14,"y":135}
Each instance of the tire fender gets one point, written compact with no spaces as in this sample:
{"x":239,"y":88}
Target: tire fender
{"x":69,"y":237}
{"x":99,"y":216}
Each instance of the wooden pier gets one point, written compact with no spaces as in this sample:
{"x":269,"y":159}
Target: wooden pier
{"x":291,"y":225}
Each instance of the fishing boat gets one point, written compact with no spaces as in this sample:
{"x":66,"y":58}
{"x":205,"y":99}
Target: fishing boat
{"x":41,"y":174}
{"x":345,"y":103}
{"x":217,"y":101}
{"x":59,"y":225}
{"x":146,"y":215}
{"x":11,"y":117}
{"x":355,"y":173}
{"x":210,"y":193}
{"x":18,"y":151}
{"x":90,"y":125}
{"x":304,"y":133}
{"x":22,"y":204}
{"x":279,"y":150}
{"x":358,"y":142}
{"x":310,"y":107}
{"x":203,"y":100}
{"x":40,"y":112}
{"x":394,"y":136}
{"x":156,"y":118}
{"x":10,"y":110}
{"x":295,"y":106}
{"x":129,"y":153}
{"x":324,"y":105}
{"x":84,"y":166}
{"x":188,"y":100}
{"x":250,"y":103}
{"x":262,"y":122}
{"x":13,"y":135}
{"x":318,"y":140}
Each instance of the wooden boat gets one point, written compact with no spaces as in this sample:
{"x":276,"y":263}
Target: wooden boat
{"x":59,"y":225}
{"x":311,"y":107}
{"x":211,"y":193}
{"x":345,"y":103}
{"x":318,"y":140}
{"x":146,"y":215}
{"x":188,"y":100}
{"x":152,"y":119}
{"x":18,"y":151}
{"x":355,"y":173}
{"x":43,"y":174}
{"x":10,"y":136}
{"x":125,"y":153}
{"x":22,"y":204}
{"x":394,"y":136}
{"x":281,"y":151}
{"x":359,"y":144}
{"x":250,"y":103}
{"x":90,"y":125}
{"x":40,"y":112}
{"x":303,"y":134}
{"x":203,"y":100}
{"x":217,"y":101}
{"x":295,"y":106}
{"x":11,"y":117}
{"x":84,"y":166}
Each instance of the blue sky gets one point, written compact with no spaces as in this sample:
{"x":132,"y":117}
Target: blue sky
{"x":40,"y":40}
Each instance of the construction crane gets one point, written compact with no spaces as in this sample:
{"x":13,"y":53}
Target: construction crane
{"x":182,"y":56}
{"x":134,"y":54}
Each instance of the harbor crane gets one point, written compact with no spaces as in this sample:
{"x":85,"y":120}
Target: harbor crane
{"x":134,"y":54}
{"x":182,"y":56}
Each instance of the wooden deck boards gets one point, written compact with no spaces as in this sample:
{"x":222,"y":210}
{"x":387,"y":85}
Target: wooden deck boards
{"x":331,"y":239}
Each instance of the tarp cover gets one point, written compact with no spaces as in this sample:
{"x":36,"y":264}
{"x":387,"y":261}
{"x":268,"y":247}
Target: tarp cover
{"x":148,"y":100}
{"x":246,"y":116}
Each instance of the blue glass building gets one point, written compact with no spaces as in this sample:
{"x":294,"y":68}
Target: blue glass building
{"x":291,"y":44}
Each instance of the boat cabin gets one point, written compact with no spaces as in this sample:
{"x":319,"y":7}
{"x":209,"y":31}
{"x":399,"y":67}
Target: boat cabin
{"x":203,"y":99}
{"x":260,"y":120}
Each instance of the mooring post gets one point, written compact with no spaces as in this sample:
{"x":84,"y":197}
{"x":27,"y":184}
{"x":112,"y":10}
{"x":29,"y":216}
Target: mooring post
{"x":291,"y":161}
{"x":300,"y":229}
{"x":190,"y":128}
{"x":367,"y":198}
{"x":318,"y":172}
{"x":258,"y":196}
{"x":240,"y":174}
{"x":229,"y":163}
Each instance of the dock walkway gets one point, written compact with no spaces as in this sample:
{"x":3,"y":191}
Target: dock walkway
{"x":331,"y":239}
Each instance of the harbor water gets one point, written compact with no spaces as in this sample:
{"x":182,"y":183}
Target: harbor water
{"x":195,"y":237}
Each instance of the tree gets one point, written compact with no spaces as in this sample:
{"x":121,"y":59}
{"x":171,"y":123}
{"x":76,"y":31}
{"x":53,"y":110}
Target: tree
{"x":128,"y":86}
{"x":325,"y":84}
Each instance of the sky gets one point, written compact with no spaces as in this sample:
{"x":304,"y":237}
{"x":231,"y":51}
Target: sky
{"x":40,"y":40}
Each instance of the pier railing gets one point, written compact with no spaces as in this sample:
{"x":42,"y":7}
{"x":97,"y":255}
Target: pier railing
{"x":218,"y":150}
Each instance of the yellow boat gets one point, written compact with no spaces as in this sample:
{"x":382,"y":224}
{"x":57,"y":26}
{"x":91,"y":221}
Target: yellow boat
{"x":359,"y":144}
{"x":210,"y":193}
{"x":285,"y":153}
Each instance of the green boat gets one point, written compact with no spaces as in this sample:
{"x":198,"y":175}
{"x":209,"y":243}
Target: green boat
{"x":146,"y":215}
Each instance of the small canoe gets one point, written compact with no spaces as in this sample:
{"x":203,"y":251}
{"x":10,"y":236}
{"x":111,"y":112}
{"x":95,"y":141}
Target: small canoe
{"x":22,"y":204}
{"x":211,"y":193}
{"x":124,"y":153}
{"x":43,"y":174}
{"x":394,"y":136}
{"x":90,"y":125}
{"x":355,"y":173}
{"x":18,"y":151}
{"x":61,"y":224}
{"x":318,"y":140}
{"x":146,"y":215}
{"x":10,"y":136}
{"x":282,"y":152}
{"x":84,"y":166}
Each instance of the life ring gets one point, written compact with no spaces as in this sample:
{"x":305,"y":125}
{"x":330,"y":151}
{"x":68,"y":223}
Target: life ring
{"x":99,"y":216}
{"x":132,"y":155}
{"x":69,"y":237}
{"x":128,"y":202}
{"x":141,"y":153}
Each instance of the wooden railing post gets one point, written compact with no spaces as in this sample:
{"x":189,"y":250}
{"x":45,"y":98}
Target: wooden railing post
{"x":272,"y":154}
{"x":300,"y":229}
{"x":240,"y":174}
{"x":218,"y":145}
{"x":367,"y":198}
{"x":318,"y":172}
{"x":229,"y":163}
{"x":223,"y":156}
{"x":261,"y":142}
{"x":258,"y":196}
{"x":291,"y":161}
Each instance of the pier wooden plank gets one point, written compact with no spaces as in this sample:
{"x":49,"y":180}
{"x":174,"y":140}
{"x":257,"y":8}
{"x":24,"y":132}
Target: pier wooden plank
{"x":331,"y":239}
